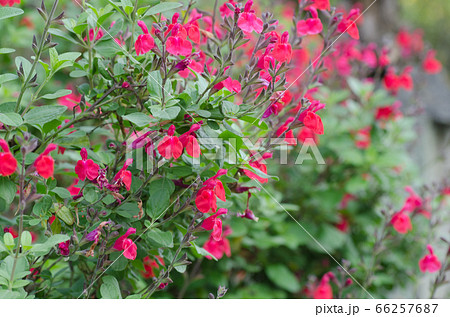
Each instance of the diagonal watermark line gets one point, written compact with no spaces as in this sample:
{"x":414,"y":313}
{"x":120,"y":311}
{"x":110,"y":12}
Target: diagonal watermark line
{"x":320,"y":56}
{"x":101,"y":274}
{"x":314,"y":239}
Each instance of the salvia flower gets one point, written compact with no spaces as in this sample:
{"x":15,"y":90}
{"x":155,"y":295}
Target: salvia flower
{"x":8,"y":163}
{"x":214,"y":223}
{"x":289,"y":134}
{"x":177,"y":44}
{"x":249,"y":215}
{"x":321,"y":4}
{"x":64,"y":248}
{"x":127,"y":245}
{"x":310,"y":26}
{"x":431,"y":65}
{"x":313,"y":121}
{"x":248,"y":21}
{"x":206,"y":199}
{"x":10,"y":3}
{"x":230,"y":84}
{"x":401,"y":222}
{"x":86,"y":168}
{"x":259,"y":165}
{"x":324,"y":290}
{"x":44,"y":163}
{"x":348,"y":24}
{"x":219,"y":248}
{"x":170,"y":146}
{"x":429,"y":262}
{"x":123,"y":177}
{"x":144,"y":42}
{"x":189,"y":141}
{"x":282,"y":51}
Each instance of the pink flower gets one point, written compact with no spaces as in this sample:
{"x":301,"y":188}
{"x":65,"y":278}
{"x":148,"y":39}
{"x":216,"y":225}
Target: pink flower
{"x":324,"y":290}
{"x":310,"y":26}
{"x":123,"y":177}
{"x":10,"y":3}
{"x":8,"y":163}
{"x":349,"y":25}
{"x":413,"y":201}
{"x":214,"y":223}
{"x":44,"y":163}
{"x":206,"y":197}
{"x":363,"y":138}
{"x":86,"y":168}
{"x":230,"y":84}
{"x":225,"y":11}
{"x":314,"y":122}
{"x":144,"y":42}
{"x":401,"y":222}
{"x":189,"y":141}
{"x":431,"y":65}
{"x":248,"y":21}
{"x":307,"y":136}
{"x":218,"y":248}
{"x":257,"y":164}
{"x":321,"y":4}
{"x":289,"y":135}
{"x":92,"y":34}
{"x":170,"y":146}
{"x":127,"y":245}
{"x":282,"y":51}
{"x":177,"y":44}
{"x":429,"y":262}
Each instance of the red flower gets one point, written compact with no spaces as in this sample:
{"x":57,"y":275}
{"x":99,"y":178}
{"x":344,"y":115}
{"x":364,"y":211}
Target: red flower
{"x":206,"y":197}
{"x":257,"y":164}
{"x":282,"y":51}
{"x":12,"y":231}
{"x":401,"y":222}
{"x":349,"y":25}
{"x":393,"y":83}
{"x":86,"y":168}
{"x":363,"y":138}
{"x":72,"y":189}
{"x":431,"y":65}
{"x":289,"y":135}
{"x":10,"y":3}
{"x":321,"y":4}
{"x":307,"y":136}
{"x":127,"y":245}
{"x":189,"y":141}
{"x":429,"y":262}
{"x":343,"y":224}
{"x":218,"y":248}
{"x":150,"y":264}
{"x":144,"y":42}
{"x":71,"y":100}
{"x":177,"y":44}
{"x":225,"y":11}
{"x":170,"y":146}
{"x":214,"y":223}
{"x":230,"y":84}
{"x":313,"y":122}
{"x":64,"y":248}
{"x":310,"y":26}
{"x":44,"y":163}
{"x":92,"y":33}
{"x":413,"y":202}
{"x":324,"y":290}
{"x":123,"y":177}
{"x":8,"y":163}
{"x":389,"y":112}
{"x":248,"y":21}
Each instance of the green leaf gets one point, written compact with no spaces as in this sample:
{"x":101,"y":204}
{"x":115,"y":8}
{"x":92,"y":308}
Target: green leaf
{"x":7,"y":189}
{"x":283,"y":278}
{"x":6,"y":50}
{"x":110,"y":288}
{"x":162,"y":7}
{"x":255,"y":121}
{"x":8,"y":239}
{"x":90,"y":194}
{"x":61,"y":34}
{"x":138,"y":118}
{"x":58,"y":94}
{"x":77,"y":138}
{"x":62,"y":192}
{"x":43,"y":114}
{"x":44,"y":248}
{"x":154,"y":83}
{"x":7,"y":77}
{"x":11,"y":119}
{"x":108,"y":48}
{"x":8,"y":12}
{"x":166,"y":113}
{"x":65,"y":215}
{"x":26,"y":240}
{"x":160,"y":191}
{"x":160,"y":239}
{"x":229,"y":109}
